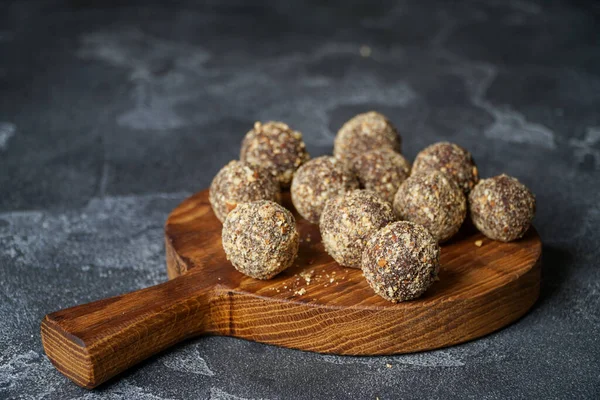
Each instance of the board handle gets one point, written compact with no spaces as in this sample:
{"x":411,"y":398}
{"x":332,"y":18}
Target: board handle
{"x":93,"y":342}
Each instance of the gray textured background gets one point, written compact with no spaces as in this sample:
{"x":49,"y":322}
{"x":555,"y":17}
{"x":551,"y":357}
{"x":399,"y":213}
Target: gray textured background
{"x":110,"y":115}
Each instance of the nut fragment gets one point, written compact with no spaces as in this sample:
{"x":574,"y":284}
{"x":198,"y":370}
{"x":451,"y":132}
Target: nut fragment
{"x":502,"y":208}
{"x":237,"y":183}
{"x":348,"y":221}
{"x":411,"y":261}
{"x":275,"y":147}
{"x":253,"y":241}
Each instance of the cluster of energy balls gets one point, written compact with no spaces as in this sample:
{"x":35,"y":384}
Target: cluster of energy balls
{"x":374,"y":211}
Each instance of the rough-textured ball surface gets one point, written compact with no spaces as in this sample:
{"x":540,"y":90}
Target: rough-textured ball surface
{"x":260,"y":239}
{"x":348,"y":221}
{"x":434,"y":201}
{"x":502,"y":208}
{"x":401,"y":261}
{"x":275,"y":147}
{"x":381,"y":171}
{"x":317,"y":181}
{"x":239,"y":182}
{"x":451,"y":159}
{"x":365,"y":132}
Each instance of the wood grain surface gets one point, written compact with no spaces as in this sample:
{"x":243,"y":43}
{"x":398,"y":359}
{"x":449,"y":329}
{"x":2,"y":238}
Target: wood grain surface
{"x":316,"y":305}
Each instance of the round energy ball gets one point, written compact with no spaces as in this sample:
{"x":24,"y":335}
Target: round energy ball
{"x":317,"y":181}
{"x":401,"y":261}
{"x":451,"y":159}
{"x":349,"y":220}
{"x":239,"y":182}
{"x":260,"y":238}
{"x":275,"y":147}
{"x":502,"y":208}
{"x":364,"y":132}
{"x":381,"y":171}
{"x":434,"y":201}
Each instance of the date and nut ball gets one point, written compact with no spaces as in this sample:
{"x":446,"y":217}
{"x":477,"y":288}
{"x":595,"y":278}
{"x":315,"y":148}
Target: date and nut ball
{"x":239,"y":182}
{"x":381,"y":171}
{"x":364,"y":132}
{"x":502,"y":208}
{"x":401,"y":261}
{"x":317,"y":181}
{"x":451,"y":159}
{"x":260,"y":238}
{"x":349,"y":220}
{"x":275,"y":147}
{"x":433,"y":200}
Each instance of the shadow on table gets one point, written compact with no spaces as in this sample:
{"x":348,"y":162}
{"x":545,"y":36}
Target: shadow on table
{"x":555,"y":271}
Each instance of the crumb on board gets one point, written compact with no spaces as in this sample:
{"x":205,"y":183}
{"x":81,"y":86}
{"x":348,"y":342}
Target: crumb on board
{"x":307,"y":276}
{"x":479,"y":243}
{"x":388,"y":365}
{"x":300,"y":292}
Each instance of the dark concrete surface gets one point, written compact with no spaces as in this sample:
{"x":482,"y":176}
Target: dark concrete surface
{"x":110,"y":114}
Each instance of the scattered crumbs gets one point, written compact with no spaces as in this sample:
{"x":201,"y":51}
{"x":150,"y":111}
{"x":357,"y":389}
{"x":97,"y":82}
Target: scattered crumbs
{"x":307,"y":276}
{"x":388,"y":365}
{"x":365,"y":51}
{"x":479,"y":243}
{"x":300,"y":292}
{"x":277,"y":290}
{"x":331,"y":280}
{"x":285,"y":287}
{"x":218,"y":279}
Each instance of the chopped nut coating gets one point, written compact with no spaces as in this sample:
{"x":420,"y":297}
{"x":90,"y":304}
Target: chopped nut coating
{"x":502,"y":208}
{"x":450,"y":159}
{"x":365,"y":132}
{"x":401,"y":261}
{"x":317,"y":181}
{"x":348,"y":221}
{"x":260,"y":239}
{"x":239,"y":182}
{"x":433,"y":200}
{"x":382,"y":171}
{"x":275,"y":147}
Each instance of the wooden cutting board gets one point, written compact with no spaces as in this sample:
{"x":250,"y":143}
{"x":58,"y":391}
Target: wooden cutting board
{"x":316,"y":305}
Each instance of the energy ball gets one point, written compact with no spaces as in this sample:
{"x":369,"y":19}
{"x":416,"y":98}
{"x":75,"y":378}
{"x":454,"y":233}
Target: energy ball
{"x":275,"y":147}
{"x":401,"y":261}
{"x":260,"y":238}
{"x":502,"y":208}
{"x":348,"y":221}
{"x":433,"y":200}
{"x":364,"y":132}
{"x":239,"y":182}
{"x":381,"y":171}
{"x":451,"y":159}
{"x":317,"y":181}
